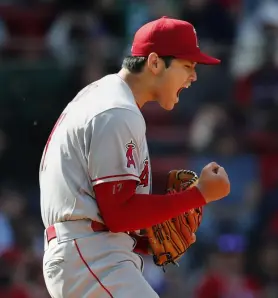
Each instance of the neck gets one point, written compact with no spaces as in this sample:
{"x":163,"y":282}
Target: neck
{"x":137,"y":84}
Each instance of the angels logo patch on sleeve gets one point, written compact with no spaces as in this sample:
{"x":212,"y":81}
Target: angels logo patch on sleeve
{"x":129,"y":154}
{"x":144,"y":177}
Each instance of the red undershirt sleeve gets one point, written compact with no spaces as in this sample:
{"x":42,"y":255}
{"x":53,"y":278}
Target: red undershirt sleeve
{"x":124,"y":210}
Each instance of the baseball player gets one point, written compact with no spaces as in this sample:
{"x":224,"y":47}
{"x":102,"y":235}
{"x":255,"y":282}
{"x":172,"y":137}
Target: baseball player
{"x":95,"y":171}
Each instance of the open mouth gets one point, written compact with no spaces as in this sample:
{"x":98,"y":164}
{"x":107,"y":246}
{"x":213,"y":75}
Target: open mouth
{"x":187,"y":85}
{"x":180,"y":90}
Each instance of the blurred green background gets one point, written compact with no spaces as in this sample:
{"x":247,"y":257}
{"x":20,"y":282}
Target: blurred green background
{"x":50,"y":49}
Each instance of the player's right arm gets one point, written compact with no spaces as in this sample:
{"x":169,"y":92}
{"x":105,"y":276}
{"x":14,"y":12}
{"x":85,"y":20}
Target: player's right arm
{"x":115,"y":183}
{"x":128,"y":211}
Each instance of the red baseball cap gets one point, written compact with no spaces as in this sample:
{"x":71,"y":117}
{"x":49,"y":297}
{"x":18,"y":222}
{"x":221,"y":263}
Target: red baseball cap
{"x":169,"y":37}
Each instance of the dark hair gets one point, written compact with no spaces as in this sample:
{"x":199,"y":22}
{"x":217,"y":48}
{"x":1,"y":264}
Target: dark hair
{"x":136,"y":64}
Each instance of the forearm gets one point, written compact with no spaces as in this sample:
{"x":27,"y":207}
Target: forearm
{"x":127,"y":211}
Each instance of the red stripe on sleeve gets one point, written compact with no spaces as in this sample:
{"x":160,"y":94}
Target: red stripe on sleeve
{"x":114,"y":176}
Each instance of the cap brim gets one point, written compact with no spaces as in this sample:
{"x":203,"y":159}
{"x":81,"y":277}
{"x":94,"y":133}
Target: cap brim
{"x":201,"y":58}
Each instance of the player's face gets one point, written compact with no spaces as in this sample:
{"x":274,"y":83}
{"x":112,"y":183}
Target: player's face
{"x":170,"y":81}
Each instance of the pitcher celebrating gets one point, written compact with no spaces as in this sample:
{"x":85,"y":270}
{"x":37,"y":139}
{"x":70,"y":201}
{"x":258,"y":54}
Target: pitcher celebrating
{"x":95,"y":175}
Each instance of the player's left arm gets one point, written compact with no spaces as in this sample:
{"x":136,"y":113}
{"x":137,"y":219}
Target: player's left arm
{"x":114,"y":165}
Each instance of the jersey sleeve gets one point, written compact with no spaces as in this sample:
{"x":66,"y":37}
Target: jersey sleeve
{"x":113,"y":152}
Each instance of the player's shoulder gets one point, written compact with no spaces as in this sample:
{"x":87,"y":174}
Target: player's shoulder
{"x":110,"y":92}
{"x":121,"y":118}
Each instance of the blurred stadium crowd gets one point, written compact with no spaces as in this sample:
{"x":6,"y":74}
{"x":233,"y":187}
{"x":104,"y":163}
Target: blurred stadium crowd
{"x":49,"y":49}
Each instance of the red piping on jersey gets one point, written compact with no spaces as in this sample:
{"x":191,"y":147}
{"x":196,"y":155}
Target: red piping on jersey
{"x":114,"y":176}
{"x":90,"y":270}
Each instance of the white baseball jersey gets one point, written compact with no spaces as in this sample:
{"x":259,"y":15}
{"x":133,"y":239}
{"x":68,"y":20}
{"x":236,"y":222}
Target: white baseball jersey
{"x":99,"y":137}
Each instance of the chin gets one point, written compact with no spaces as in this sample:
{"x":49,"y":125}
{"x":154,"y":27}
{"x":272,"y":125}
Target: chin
{"x":167,"y":106}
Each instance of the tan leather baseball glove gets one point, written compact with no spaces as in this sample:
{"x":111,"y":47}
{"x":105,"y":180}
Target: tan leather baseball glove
{"x":169,"y":240}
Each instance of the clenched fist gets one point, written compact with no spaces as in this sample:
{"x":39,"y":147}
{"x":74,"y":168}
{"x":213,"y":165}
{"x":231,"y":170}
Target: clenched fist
{"x":213,"y":182}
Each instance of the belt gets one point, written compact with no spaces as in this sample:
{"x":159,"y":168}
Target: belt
{"x":95,"y":225}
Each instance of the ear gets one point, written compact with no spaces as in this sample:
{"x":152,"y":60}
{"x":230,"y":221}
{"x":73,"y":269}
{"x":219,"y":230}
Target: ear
{"x":155,"y":65}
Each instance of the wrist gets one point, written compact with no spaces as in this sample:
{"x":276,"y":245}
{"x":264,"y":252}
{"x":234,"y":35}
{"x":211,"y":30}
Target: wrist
{"x":204,"y":197}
